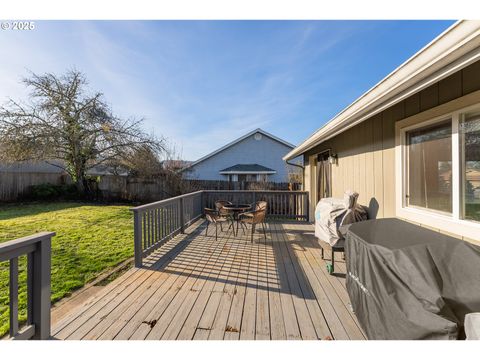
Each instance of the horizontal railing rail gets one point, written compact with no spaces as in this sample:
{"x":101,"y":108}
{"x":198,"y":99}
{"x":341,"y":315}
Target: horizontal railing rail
{"x":37,"y":248}
{"x":157,"y":222}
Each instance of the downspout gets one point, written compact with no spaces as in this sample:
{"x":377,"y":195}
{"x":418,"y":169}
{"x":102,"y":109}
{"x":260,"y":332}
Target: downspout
{"x":303,"y":171}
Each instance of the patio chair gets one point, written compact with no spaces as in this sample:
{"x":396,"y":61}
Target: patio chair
{"x":219,"y":206}
{"x":214,"y":217}
{"x":260,"y":205}
{"x":254,"y":218}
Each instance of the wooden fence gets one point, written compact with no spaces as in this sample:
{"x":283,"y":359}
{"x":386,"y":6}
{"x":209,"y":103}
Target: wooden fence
{"x":144,"y":190}
{"x":197,"y":185}
{"x":157,"y":222}
{"x":123,"y":188}
{"x":14,"y":185}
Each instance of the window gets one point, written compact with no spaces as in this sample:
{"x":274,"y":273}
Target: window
{"x":262,"y":177}
{"x":429,"y":153}
{"x":439,"y":163}
{"x":470,"y":166}
{"x":247,"y":177}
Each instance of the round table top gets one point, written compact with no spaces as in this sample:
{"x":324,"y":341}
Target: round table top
{"x":237,"y":207}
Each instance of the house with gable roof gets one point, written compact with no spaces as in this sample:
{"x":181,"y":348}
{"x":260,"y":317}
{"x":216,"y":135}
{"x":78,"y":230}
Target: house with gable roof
{"x":255,"y":156}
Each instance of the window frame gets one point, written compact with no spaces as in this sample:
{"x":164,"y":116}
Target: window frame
{"x":406,"y":166}
{"x":447,"y":222}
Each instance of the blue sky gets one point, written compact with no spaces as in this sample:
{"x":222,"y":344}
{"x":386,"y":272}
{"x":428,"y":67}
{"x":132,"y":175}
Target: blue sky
{"x":202,"y":84}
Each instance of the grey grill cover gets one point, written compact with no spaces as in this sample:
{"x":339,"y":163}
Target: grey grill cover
{"x":408,"y":282}
{"x":331,"y":214}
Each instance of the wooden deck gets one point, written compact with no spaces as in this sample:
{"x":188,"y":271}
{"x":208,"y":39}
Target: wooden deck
{"x":195,"y":287}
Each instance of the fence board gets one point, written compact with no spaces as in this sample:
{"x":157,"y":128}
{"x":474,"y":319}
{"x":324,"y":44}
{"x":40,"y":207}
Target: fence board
{"x":14,"y":185}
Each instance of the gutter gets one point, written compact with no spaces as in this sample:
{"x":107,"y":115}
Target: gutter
{"x":454,"y":49}
{"x":301,"y":167}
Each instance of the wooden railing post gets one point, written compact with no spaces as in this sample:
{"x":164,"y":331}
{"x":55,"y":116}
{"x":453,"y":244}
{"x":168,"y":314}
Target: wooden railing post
{"x":41,"y":289}
{"x":137,"y":235}
{"x":182,"y":217}
{"x":38,"y":250}
{"x":307,"y":206}
{"x":13,"y":296}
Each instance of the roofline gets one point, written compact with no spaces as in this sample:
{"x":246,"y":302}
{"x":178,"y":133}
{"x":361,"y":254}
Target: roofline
{"x":263,"y":132}
{"x":233,"y":172}
{"x":452,"y":50}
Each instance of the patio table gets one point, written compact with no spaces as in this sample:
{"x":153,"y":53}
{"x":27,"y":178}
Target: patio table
{"x":235,"y":210}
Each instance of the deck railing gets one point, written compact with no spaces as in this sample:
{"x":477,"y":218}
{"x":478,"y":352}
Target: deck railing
{"x":282,"y":205}
{"x":157,"y":222}
{"x":37,"y":248}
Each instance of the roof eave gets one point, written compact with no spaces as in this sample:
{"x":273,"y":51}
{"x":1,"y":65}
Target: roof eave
{"x":247,"y":172}
{"x":454,"y":49}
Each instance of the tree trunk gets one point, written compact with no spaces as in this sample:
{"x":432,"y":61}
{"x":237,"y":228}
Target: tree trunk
{"x":80,"y":179}
{"x":80,"y":183}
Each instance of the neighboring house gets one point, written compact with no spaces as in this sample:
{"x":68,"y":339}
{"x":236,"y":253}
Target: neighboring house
{"x":55,"y":167}
{"x":40,"y":167}
{"x":411,"y":144}
{"x":256,"y":156}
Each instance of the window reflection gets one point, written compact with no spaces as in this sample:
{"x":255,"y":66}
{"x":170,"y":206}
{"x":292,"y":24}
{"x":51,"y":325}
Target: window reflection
{"x":470,"y":152}
{"x":430,"y":167}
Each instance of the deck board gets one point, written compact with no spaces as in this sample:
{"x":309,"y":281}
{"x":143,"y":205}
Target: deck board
{"x":196,"y":287}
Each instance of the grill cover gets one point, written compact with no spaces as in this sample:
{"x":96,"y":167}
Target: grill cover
{"x":407,"y":282}
{"x":331,"y":214}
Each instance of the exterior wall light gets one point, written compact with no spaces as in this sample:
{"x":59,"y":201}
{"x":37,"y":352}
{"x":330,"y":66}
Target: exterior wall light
{"x":332,"y":159}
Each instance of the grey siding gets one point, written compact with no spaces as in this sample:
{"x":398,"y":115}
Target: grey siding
{"x":267,"y":152}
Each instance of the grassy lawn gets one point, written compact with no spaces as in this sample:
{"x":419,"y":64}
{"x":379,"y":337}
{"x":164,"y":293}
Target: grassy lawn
{"x":90,"y":239}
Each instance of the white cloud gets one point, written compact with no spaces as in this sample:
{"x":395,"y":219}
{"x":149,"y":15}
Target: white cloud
{"x":197,"y":93}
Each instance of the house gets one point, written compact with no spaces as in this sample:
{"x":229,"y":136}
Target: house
{"x":411,"y":144}
{"x":55,"y":167}
{"x":256,"y":156}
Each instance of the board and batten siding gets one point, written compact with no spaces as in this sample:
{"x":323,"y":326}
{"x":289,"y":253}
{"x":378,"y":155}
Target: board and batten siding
{"x":366,"y":152}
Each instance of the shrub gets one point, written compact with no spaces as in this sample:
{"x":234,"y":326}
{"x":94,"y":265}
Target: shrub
{"x":69,"y":191}
{"x":53,"y":192}
{"x":44,"y":191}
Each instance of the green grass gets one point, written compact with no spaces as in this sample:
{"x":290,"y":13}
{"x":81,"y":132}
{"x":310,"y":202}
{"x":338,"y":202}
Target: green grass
{"x":89,"y":240}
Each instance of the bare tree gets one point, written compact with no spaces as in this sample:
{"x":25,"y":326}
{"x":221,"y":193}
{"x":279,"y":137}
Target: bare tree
{"x":142,"y":162}
{"x":175,"y":175}
{"x":61,"y":121}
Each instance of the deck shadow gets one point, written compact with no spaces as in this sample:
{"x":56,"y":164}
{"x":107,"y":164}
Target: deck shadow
{"x":291,"y":279}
